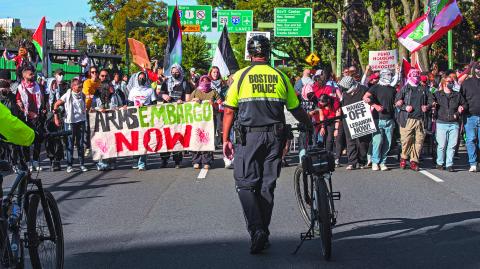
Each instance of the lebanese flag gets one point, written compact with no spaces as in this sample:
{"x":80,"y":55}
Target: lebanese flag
{"x":38,"y":38}
{"x":224,"y":57}
{"x":441,"y":16}
{"x":173,"y":51}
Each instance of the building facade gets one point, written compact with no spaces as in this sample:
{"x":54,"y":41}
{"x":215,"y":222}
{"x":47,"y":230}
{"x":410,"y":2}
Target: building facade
{"x":8,"y":24}
{"x":67,"y":35}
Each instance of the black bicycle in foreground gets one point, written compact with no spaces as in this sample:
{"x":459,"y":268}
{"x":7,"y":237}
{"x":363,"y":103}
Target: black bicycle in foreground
{"x":315,"y":195}
{"x":29,"y":218}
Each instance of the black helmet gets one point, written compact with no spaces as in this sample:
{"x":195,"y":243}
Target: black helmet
{"x":259,"y":46}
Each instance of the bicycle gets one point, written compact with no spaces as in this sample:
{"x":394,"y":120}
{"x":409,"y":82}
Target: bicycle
{"x":314,"y":196}
{"x":29,"y":218}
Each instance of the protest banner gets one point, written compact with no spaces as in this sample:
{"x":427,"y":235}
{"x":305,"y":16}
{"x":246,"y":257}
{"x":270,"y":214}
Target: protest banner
{"x":359,"y":119}
{"x":385,"y":59}
{"x":152,"y":129}
{"x":139,"y":53}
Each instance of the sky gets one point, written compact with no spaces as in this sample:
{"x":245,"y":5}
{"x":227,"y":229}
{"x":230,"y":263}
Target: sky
{"x":30,"y":12}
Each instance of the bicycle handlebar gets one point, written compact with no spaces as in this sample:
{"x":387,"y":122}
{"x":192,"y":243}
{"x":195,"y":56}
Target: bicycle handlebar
{"x":302,"y":128}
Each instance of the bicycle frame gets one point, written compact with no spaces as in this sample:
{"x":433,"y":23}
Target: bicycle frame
{"x":19,"y":189}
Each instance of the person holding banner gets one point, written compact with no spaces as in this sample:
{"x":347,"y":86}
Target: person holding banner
{"x":90,"y":87}
{"x":140,"y":95}
{"x":174,"y":89}
{"x":414,"y":101}
{"x":107,"y":99}
{"x":357,"y":148}
{"x":221,"y":87}
{"x":204,"y":93}
{"x":382,"y":98}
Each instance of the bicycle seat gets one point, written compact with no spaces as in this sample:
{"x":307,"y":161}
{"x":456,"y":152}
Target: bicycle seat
{"x":4,"y":166}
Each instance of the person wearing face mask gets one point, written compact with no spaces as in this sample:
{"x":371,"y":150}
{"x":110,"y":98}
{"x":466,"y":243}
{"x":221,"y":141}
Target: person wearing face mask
{"x":470,"y":90}
{"x":30,"y":102}
{"x":107,"y":99}
{"x":174,"y":89}
{"x":449,"y":106}
{"x":382,"y":98}
{"x":321,"y":87}
{"x":414,"y":101}
{"x":140,"y":94}
{"x":220,"y":86}
{"x":204,"y":93}
{"x":54,"y":145}
{"x":357,"y":148}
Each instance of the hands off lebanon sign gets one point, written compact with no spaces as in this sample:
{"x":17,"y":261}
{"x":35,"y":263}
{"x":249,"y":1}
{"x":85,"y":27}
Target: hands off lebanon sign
{"x":359,"y":119}
{"x":152,"y":129}
{"x":385,"y":59}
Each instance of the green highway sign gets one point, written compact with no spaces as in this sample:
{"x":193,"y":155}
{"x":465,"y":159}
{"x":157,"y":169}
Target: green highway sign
{"x":193,"y":18}
{"x":237,"y":21}
{"x":293,"y":22}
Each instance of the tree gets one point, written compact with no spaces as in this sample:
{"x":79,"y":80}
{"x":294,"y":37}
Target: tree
{"x":17,"y":36}
{"x":196,"y":52}
{"x":112,"y":16}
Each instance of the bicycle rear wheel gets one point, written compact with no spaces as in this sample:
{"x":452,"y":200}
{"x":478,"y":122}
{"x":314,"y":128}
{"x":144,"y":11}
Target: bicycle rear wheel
{"x":323,"y":216}
{"x":46,"y":250}
{"x":302,"y":193}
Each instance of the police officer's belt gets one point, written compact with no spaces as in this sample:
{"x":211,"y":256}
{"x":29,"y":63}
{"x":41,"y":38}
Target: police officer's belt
{"x":268,"y":128}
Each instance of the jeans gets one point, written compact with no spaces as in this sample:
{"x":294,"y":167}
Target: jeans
{"x":447,"y":137}
{"x":382,"y":141}
{"x":78,"y":129}
{"x":472,"y":130}
{"x":142,"y":161}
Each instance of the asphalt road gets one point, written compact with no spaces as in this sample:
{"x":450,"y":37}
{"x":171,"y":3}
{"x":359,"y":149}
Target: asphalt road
{"x":167,"y":218}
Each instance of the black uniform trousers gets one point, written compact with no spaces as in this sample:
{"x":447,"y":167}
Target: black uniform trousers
{"x":257,"y":166}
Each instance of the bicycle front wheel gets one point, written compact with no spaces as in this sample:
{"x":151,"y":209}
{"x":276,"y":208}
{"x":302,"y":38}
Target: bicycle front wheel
{"x":46,"y":250}
{"x":323,"y":216}
{"x":302,"y":193}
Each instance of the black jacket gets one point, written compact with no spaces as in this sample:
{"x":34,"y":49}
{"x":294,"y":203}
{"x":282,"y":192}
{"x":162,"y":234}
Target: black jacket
{"x":447,"y":106}
{"x":470,"y":91}
{"x":405,"y":94}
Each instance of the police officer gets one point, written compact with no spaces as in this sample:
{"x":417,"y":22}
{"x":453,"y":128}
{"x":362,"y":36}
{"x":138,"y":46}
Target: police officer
{"x":258,"y":95}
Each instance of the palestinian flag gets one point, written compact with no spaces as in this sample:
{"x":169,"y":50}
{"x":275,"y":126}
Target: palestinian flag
{"x":224,"y":57}
{"x":441,"y":16}
{"x":38,"y":37}
{"x":173,"y":51}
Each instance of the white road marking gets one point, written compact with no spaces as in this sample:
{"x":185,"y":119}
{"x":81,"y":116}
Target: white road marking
{"x":431,"y":176}
{"x":202,"y":174}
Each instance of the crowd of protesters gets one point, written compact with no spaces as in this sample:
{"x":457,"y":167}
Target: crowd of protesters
{"x":408,"y":107}
{"x":50,"y":105}
{"x":439,"y":105}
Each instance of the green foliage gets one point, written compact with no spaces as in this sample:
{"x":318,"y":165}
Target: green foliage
{"x":112,"y":15}
{"x":18,"y":35}
{"x":195,"y":53}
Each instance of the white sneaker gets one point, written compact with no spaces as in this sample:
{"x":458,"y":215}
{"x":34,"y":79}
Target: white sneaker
{"x":69,"y":169}
{"x":228,"y":163}
{"x":473,"y":169}
{"x":87,"y":153}
{"x":383,"y":167}
{"x":375,"y":167}
{"x":83,"y":168}
{"x":36,"y":166}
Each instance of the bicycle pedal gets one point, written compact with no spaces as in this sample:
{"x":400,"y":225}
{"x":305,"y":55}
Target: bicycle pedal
{"x":336,"y":195}
{"x":306,"y":236}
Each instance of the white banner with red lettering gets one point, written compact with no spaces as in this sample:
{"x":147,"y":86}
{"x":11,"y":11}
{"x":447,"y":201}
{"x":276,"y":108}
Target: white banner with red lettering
{"x":385,"y":59}
{"x":152,"y":129}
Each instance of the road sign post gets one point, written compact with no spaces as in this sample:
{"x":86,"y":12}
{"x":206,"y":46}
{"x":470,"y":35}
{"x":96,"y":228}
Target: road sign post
{"x":193,"y":18}
{"x":237,"y":21}
{"x":293,"y":22}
